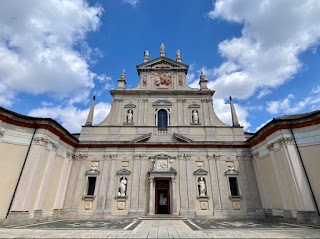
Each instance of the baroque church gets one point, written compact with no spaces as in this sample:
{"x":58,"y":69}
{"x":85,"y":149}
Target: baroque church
{"x":161,"y":151}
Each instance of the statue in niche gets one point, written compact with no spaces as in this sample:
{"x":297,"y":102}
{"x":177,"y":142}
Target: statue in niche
{"x":122,"y":187}
{"x":202,"y":187}
{"x":195,"y":117}
{"x":129,"y":116}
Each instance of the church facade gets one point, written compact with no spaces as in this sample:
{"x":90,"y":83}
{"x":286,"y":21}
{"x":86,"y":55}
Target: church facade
{"x":161,"y":150}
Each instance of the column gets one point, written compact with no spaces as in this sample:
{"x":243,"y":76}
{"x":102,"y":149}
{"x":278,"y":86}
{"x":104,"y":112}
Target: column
{"x":263,"y":185}
{"x":103,"y":184}
{"x":139,"y":112}
{"x":183,"y":185}
{"x":174,"y":198}
{"x":299,"y":183}
{"x":145,"y":112}
{"x":179,"y":113}
{"x":45,"y":178}
{"x":111,"y":184}
{"x":135,"y":184}
{"x":80,"y":181}
{"x":25,"y":188}
{"x":215,"y":187}
{"x":142,"y":187}
{"x":120,"y":112}
{"x":190,"y":180}
{"x":184,"y":112}
{"x":151,"y":196}
{"x":280,"y":185}
{"x":63,"y":182}
{"x":205,"y":119}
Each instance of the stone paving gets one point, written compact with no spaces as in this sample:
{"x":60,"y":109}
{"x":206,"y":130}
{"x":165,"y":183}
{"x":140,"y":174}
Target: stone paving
{"x":161,"y":229}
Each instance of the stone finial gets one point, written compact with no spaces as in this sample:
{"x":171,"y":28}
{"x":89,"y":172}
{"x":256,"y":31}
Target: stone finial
{"x":203,"y":82}
{"x":178,"y":56}
{"x":162,"y":50}
{"x":146,"y":56}
{"x":235,"y":121}
{"x":122,"y":80}
{"x":90,"y":115}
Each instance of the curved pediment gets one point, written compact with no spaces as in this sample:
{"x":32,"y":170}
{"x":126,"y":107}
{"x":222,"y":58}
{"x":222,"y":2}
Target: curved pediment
{"x":123,"y":172}
{"x":130,"y":106}
{"x":200,"y":172}
{"x":194,"y":106}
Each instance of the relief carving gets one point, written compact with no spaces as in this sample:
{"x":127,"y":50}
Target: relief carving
{"x":164,"y":80}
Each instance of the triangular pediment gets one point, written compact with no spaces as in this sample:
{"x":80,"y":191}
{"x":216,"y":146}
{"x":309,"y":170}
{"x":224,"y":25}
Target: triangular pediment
{"x":182,"y":138}
{"x":130,"y":106}
{"x":162,"y":63}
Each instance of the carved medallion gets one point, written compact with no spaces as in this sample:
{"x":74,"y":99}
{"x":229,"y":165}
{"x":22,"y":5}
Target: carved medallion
{"x":163,"y":80}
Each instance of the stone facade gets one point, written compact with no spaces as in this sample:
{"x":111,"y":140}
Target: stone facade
{"x":161,"y":150}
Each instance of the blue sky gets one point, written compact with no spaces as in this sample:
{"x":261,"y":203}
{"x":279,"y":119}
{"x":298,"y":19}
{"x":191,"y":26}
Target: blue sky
{"x":55,"y":55}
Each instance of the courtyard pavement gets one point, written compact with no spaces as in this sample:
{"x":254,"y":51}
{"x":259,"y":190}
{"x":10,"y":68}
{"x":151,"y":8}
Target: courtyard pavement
{"x":161,"y":229}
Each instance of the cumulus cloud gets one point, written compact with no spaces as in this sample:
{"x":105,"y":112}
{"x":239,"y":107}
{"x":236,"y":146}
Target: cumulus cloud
{"x":287,"y":105}
{"x":131,"y":2}
{"x":274,"y":33}
{"x":71,"y":117}
{"x":38,"y":41}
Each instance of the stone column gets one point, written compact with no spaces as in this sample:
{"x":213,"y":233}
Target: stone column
{"x":223,"y":184}
{"x":183,"y":185}
{"x":135,"y":184}
{"x":142,"y":187}
{"x":145,"y":114}
{"x":80,"y":181}
{"x":151,"y":196}
{"x":139,"y":118}
{"x":263,"y":185}
{"x":120,"y":112}
{"x":111,"y":184}
{"x":103,"y":185}
{"x":179,"y":113}
{"x":63,"y":182}
{"x":45,"y":178}
{"x":184,"y":106}
{"x":174,"y":198}
{"x":205,"y":119}
{"x":25,"y":190}
{"x":280,"y":182}
{"x":215,"y":184}
{"x":299,"y":183}
{"x":211,"y":112}
{"x":190,"y":180}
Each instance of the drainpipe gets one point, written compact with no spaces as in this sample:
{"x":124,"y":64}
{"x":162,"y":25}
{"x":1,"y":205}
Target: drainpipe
{"x":304,"y":169}
{"x":24,"y":163}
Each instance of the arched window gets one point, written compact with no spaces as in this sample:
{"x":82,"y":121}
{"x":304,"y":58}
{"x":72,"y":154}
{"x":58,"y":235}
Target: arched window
{"x":162,"y":119}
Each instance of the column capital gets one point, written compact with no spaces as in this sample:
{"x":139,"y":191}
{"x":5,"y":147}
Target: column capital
{"x":270,"y":147}
{"x":79,"y":156}
{"x":285,"y":141}
{"x":216,"y":156}
{"x":2,"y":130}
{"x":41,"y":141}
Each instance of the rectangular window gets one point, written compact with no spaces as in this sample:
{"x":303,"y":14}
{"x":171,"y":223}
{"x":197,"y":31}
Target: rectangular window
{"x":91,"y":185}
{"x":234,"y":189}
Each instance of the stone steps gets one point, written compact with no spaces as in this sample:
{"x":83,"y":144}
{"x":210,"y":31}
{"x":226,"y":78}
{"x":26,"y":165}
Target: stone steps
{"x":162,"y":217}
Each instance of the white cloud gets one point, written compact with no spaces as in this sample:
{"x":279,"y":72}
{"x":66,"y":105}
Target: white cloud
{"x":274,"y":33}
{"x":287,"y":105}
{"x":223,"y":111}
{"x":132,"y":2}
{"x":316,"y":89}
{"x":37,"y":48}
{"x":71,"y":117}
{"x":263,"y":93}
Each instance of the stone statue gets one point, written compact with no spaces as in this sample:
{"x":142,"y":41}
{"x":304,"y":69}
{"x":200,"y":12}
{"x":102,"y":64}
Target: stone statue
{"x":146,"y":54}
{"x":129,"y":116}
{"x":162,"y":47}
{"x":178,"y":54}
{"x":202,"y":187}
{"x":123,"y":187}
{"x":195,"y":117}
